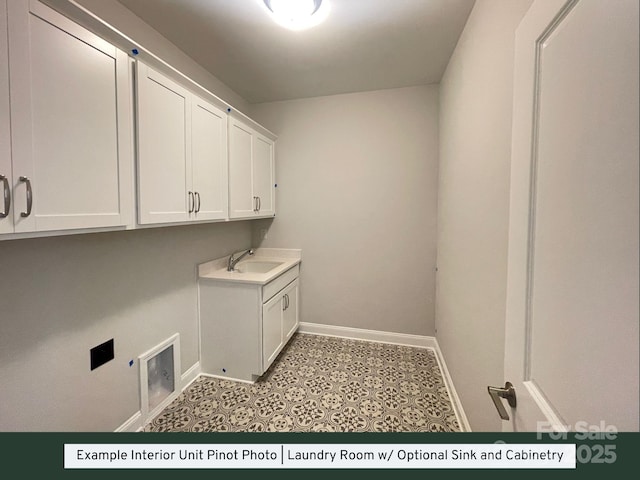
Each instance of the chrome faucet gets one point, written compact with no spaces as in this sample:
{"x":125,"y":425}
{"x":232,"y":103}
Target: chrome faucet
{"x":232,"y":260}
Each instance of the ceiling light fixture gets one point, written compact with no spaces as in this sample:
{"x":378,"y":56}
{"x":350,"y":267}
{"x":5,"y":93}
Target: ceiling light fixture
{"x":298,"y":14}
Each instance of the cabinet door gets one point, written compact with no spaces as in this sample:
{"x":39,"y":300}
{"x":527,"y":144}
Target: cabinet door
{"x":271,"y":330}
{"x":263,"y":175}
{"x":290,"y":313}
{"x":242,"y":203}
{"x":163,"y":149}
{"x":6,"y":178}
{"x":209,"y":160}
{"x":70,"y":123}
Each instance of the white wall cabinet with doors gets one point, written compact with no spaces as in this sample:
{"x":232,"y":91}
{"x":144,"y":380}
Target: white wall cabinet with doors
{"x":251,"y":172}
{"x":244,"y":326}
{"x":182,"y":153}
{"x":65,"y":133}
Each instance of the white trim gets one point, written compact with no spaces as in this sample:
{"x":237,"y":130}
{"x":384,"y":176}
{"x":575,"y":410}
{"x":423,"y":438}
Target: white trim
{"x":545,"y":407}
{"x":368,"y":335}
{"x":133,"y":424}
{"x":419,"y":341}
{"x":463,"y":421}
{"x":250,"y":382}
{"x":189,"y":376}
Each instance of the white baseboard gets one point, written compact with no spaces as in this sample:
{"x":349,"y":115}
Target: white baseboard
{"x":463,"y":421}
{"x":132,"y":425}
{"x":407,"y":339}
{"x":220,"y":377}
{"x":420,"y":341}
{"x":190,"y":375}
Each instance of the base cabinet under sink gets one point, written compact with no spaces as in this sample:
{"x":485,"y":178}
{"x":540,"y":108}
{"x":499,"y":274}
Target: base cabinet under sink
{"x":243,"y":327}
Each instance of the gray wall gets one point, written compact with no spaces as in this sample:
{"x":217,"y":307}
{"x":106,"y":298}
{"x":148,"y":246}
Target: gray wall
{"x":357,"y":179}
{"x":473,"y":204}
{"x":62,"y":296}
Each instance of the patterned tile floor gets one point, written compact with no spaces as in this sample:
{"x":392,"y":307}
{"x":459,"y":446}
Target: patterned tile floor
{"x":322,"y":384}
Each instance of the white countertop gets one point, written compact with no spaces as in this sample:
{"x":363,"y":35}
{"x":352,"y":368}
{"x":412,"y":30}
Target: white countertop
{"x":217,"y":269}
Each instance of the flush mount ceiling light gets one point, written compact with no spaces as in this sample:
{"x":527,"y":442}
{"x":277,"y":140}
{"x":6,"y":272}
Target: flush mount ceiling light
{"x":298,"y":14}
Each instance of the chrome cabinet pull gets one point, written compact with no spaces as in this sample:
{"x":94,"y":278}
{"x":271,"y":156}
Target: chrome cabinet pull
{"x":192,"y":202}
{"x":7,"y":196}
{"x":29,"y":197}
{"x":497,"y":393}
{"x":198,"y":198}
{"x":285,"y":302}
{"x":259,"y":204}
{"x":255,"y":204}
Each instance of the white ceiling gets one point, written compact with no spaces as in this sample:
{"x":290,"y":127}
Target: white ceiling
{"x":363,"y":45}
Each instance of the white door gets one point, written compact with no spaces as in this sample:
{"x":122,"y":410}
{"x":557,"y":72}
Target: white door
{"x":70,"y":123}
{"x":271,"y":330}
{"x":572,"y":297}
{"x":209,"y":161}
{"x":290,"y":311}
{"x":263,"y":175}
{"x":163,"y":149}
{"x":242,"y":201}
{"x":6,"y":177}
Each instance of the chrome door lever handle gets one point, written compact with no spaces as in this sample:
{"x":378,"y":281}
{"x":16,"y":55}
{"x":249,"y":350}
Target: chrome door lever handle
{"x":497,"y":393}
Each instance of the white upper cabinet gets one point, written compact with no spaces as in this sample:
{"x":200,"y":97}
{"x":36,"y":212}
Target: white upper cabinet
{"x":163,"y":110}
{"x":182,"y":153}
{"x":67,"y":136}
{"x":6,"y":177}
{"x":209,"y":161}
{"x":251,"y":172}
{"x":71,"y":145}
{"x":264,"y":175}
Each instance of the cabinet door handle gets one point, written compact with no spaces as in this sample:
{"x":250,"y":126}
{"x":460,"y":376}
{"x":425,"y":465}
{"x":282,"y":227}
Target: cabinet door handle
{"x":192,"y":202}
{"x":286,"y":301}
{"x":29,"y":197}
{"x":7,"y":196}
{"x":259,"y":204}
{"x":255,"y":204}
{"x":198,"y":198}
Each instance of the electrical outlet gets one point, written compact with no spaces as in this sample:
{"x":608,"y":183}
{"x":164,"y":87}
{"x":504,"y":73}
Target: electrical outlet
{"x":101,"y":354}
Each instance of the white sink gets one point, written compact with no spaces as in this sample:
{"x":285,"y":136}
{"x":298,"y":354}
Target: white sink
{"x":256,"y":266}
{"x":258,"y":269}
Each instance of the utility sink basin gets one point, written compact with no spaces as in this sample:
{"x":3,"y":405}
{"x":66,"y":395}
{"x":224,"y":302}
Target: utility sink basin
{"x":256,"y":266}
{"x":265,"y":265}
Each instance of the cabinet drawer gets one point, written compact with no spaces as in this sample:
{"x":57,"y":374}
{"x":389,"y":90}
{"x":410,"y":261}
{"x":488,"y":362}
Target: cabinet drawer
{"x":274,"y":286}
